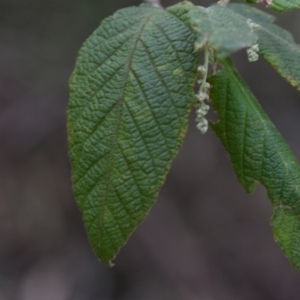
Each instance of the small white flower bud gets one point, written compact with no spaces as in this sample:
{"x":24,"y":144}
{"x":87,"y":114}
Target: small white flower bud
{"x":202,"y":125}
{"x":252,"y":52}
{"x":202,"y":110}
{"x":253,"y":26}
{"x":201,"y":70}
{"x":202,"y":96}
{"x":255,"y":47}
{"x":206,"y":86}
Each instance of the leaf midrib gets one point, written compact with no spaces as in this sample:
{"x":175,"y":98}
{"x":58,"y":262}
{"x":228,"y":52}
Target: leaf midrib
{"x":115,"y":142}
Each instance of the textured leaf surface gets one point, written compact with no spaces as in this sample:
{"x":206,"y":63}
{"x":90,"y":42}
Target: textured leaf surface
{"x":283,"y":5}
{"x":259,"y":154}
{"x":225,"y":30}
{"x":276,"y":45}
{"x":128,"y":111}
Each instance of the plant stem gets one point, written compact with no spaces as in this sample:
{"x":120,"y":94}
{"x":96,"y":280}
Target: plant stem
{"x":206,"y":64}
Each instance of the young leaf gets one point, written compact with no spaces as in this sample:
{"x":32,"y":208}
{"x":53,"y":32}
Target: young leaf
{"x":259,"y":154}
{"x":130,"y":98}
{"x":276,"y":45}
{"x":225,"y":30}
{"x":283,"y":5}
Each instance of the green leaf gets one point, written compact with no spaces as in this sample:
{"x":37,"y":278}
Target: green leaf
{"x":276,"y":45}
{"x":259,"y":154}
{"x":225,"y":30}
{"x":283,"y":5}
{"x":250,"y":1}
{"x":127,"y":117}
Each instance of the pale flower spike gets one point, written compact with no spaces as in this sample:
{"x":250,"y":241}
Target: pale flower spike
{"x":202,"y":96}
{"x":252,"y":52}
{"x":202,"y":125}
{"x":202,"y":110}
{"x":203,"y":93}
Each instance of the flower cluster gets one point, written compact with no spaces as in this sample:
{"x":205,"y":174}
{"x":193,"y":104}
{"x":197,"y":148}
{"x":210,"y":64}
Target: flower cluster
{"x":252,"y":52}
{"x":202,"y":95}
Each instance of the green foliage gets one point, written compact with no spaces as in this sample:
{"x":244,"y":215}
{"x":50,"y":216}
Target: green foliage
{"x":276,"y":45}
{"x":283,"y":5}
{"x":128,"y":112}
{"x":259,"y":154}
{"x":131,"y":93}
{"x":224,"y":30}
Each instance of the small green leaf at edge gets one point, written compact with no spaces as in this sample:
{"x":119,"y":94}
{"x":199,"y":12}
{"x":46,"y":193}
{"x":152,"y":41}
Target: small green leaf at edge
{"x":276,"y":45}
{"x":259,"y":154}
{"x":284,"y":5}
{"x":130,"y":97}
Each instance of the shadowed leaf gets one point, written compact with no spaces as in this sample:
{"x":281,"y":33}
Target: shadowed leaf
{"x":276,"y":45}
{"x":259,"y":154}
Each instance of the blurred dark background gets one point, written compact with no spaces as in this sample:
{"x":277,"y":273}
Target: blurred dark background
{"x":205,"y":238}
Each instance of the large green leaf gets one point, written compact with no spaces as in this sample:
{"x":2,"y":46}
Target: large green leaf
{"x":259,"y":154}
{"x":276,"y":45}
{"x":225,"y":30}
{"x":130,"y":98}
